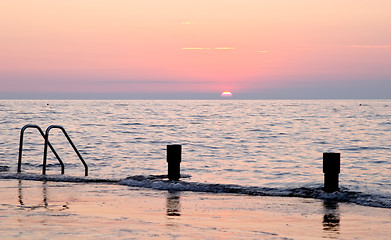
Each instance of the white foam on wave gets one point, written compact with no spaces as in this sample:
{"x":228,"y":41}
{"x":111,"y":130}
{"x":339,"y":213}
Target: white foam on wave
{"x":160,"y":182}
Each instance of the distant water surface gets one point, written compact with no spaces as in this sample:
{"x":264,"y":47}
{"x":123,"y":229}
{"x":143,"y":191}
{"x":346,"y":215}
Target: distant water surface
{"x":261,"y":143}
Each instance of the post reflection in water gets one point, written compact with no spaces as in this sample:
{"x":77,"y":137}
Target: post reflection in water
{"x":20,"y":193}
{"x":173,"y":204}
{"x":44,"y":194}
{"x":331,"y":219}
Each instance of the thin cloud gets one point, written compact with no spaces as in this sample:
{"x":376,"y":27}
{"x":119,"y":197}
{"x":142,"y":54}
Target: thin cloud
{"x":187,"y":23}
{"x":195,"y":48}
{"x":146,"y":81}
{"x":205,"y":48}
{"x":224,"y":48}
{"x":371,"y":46}
{"x":263,"y":51}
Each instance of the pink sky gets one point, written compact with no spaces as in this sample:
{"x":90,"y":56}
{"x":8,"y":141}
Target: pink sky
{"x":176,"y":46}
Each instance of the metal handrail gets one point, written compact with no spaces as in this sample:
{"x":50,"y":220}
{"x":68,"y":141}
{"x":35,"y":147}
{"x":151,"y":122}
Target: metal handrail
{"x":48,"y":143}
{"x":46,"y":136}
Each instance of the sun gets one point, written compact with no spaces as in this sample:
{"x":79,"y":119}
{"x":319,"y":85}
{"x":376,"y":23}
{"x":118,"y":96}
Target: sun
{"x":226,"y":94}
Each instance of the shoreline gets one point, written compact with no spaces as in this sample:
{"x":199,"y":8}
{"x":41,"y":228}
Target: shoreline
{"x":34,"y":209}
{"x":162,"y":183}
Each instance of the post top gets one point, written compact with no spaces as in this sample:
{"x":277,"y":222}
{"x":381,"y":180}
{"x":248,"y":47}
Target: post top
{"x":331,"y":163}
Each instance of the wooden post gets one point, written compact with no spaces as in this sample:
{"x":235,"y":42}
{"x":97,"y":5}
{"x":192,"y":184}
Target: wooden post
{"x":331,"y":170}
{"x":174,"y":158}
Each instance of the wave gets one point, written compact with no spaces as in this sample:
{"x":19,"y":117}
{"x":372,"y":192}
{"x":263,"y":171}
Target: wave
{"x":4,"y":168}
{"x":55,"y":178}
{"x":316,"y":192}
{"x":160,"y":182}
{"x":364,"y":148}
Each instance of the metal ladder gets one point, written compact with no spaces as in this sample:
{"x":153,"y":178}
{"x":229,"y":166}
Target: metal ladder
{"x":47,"y":143}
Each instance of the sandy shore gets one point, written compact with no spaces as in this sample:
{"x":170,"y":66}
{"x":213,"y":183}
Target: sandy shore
{"x":56,"y":210}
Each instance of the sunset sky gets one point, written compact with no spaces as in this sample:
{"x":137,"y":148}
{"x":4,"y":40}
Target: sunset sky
{"x":195,"y":48}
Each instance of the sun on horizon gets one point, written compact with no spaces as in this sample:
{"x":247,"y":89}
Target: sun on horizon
{"x":226,"y":94}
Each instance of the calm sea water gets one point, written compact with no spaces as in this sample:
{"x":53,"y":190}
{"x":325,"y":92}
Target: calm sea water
{"x":262,"y":147}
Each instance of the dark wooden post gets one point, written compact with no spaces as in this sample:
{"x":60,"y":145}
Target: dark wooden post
{"x":174,"y":158}
{"x":331,"y":170}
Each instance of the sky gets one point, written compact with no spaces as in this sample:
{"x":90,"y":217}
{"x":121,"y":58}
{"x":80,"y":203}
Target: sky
{"x":195,"y":49}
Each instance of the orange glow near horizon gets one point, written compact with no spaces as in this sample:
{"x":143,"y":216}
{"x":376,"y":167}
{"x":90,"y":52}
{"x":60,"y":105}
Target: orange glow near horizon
{"x":189,"y":45}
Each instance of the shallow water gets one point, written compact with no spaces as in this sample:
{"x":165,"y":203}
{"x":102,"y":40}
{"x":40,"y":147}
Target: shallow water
{"x":275,"y":144}
{"x":58,"y":210}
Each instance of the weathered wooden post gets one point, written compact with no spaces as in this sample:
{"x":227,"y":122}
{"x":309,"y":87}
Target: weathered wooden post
{"x":174,"y":158}
{"x":331,"y":170}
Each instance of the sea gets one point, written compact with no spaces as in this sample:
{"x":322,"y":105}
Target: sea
{"x":249,"y":147}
